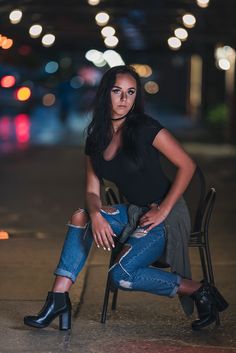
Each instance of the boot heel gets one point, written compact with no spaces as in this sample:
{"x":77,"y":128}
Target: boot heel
{"x":219,"y":301}
{"x":65,"y":321}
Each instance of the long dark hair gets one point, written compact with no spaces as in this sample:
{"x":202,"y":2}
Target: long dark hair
{"x":99,"y":132}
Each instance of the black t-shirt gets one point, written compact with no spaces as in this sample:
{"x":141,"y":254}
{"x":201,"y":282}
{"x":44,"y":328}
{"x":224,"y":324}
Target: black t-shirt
{"x":144,"y":185}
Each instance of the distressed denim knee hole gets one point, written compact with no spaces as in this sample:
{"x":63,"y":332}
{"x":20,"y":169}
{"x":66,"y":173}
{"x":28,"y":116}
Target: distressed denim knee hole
{"x":110,"y":210}
{"x":79,"y":218}
{"x":119,"y":277}
{"x":139,"y":233}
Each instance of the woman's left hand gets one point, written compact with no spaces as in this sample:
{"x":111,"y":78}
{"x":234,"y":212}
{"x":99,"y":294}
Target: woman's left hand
{"x":153,"y":217}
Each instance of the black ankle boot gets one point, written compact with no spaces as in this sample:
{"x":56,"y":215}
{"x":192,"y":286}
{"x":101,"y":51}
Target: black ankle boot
{"x":57,"y":304}
{"x":209,"y":302}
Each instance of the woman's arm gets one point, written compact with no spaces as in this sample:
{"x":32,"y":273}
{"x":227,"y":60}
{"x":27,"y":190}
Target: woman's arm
{"x":93,"y":200}
{"x":171,"y":149}
{"x":102,"y":231}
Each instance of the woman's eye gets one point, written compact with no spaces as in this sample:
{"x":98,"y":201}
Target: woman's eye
{"x":131,"y":92}
{"x":116,"y":90}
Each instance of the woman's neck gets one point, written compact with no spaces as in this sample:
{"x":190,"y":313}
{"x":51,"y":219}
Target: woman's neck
{"x":118,"y":119}
{"x":117,"y":123}
{"x":117,"y":126}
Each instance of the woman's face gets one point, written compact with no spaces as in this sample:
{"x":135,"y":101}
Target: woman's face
{"x":123,"y":95}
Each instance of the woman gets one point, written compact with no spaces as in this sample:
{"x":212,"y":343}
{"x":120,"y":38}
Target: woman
{"x":123,"y":146}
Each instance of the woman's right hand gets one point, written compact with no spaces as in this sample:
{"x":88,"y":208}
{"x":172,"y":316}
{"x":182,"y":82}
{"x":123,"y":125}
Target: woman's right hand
{"x":102,"y":232}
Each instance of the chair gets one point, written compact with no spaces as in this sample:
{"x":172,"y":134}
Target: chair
{"x":198,"y":237}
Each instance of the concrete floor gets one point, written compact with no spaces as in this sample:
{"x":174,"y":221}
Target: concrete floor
{"x":39,"y":190}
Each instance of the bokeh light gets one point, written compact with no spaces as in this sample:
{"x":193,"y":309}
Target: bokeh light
{"x":181,"y":33}
{"x":5,"y":128}
{"x":4,"y":235}
{"x":102,"y":18}
{"x":224,"y":64}
{"x":65,"y":62}
{"x":203,"y":3}
{"x":174,"y":43}
{"x":15,"y":16}
{"x":225,"y":57}
{"x":111,"y":42}
{"x":93,"y":2}
{"x":24,"y":50}
{"x":93,"y":55}
{"x":2,"y":39}
{"x":189,"y":20}
{"x":96,"y":57}
{"x":76,"y":82}
{"x":48,"y":99}
{"x":22,"y":126}
{"x":35,"y":30}
{"x":113,"y":58}
{"x":142,"y":70}
{"x":51,"y":67}
{"x":108,"y":31}
{"x":7,"y":44}
{"x":8,"y":81}
{"x":151,"y":87}
{"x":48,"y":40}
{"x":100,"y":63}
{"x":23,"y":93}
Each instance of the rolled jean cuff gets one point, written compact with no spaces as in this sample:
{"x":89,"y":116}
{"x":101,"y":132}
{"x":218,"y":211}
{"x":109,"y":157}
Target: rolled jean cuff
{"x":64,"y":273}
{"x":176,"y":287}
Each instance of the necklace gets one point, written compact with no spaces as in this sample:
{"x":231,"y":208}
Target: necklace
{"x":114,"y":119}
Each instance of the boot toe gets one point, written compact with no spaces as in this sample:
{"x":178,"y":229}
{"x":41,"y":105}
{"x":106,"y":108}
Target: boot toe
{"x":33,"y":322}
{"x":201,"y":323}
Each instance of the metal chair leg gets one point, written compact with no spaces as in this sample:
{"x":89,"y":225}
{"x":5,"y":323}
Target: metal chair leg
{"x":114,"y":299}
{"x":203,"y":263}
{"x":209,"y":264}
{"x":106,"y":300}
{"x":217,"y":319}
{"x":211,"y":274}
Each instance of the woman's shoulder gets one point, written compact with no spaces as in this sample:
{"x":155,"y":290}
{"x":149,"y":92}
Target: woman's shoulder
{"x":148,"y":128}
{"x":149,"y":121}
{"x":146,"y":121}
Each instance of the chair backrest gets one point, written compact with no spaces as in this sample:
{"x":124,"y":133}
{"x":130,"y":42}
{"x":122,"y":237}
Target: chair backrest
{"x":197,"y":223}
{"x":110,"y":196}
{"x":207,"y":209}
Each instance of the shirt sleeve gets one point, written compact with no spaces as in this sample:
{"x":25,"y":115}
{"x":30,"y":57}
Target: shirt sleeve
{"x":150,"y":130}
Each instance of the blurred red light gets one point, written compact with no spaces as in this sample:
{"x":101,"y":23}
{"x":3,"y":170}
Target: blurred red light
{"x":5,"y":128}
{"x":22,"y":125}
{"x":24,"y":50}
{"x":8,"y":81}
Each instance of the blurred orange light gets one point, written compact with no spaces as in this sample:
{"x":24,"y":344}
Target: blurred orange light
{"x":7,"y":43}
{"x":8,"y":81}
{"x":4,"y":235}
{"x":2,"y":39}
{"x":23,"y":93}
{"x":22,"y":125}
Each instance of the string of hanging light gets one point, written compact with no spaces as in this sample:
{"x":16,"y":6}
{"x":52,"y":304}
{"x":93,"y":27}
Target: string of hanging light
{"x":35,"y":30}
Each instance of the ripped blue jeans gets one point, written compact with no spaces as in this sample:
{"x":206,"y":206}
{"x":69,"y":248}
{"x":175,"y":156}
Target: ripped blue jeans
{"x":132,"y":269}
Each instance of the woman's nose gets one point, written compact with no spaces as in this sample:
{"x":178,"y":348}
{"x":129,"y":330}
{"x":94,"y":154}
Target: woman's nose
{"x":123,"y":96}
